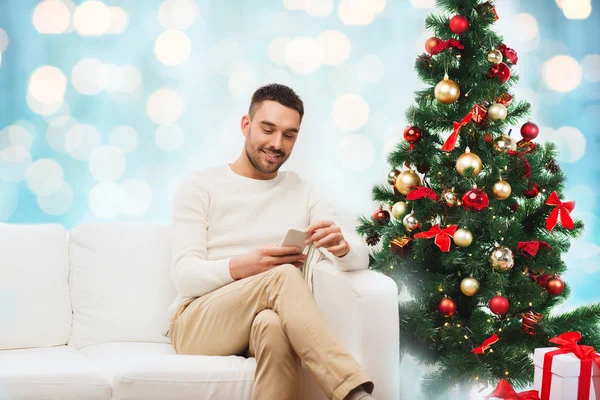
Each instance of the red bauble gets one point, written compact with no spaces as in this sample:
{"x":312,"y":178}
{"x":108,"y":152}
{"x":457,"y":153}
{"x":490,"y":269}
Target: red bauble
{"x":500,"y":71}
{"x":447,"y":307}
{"x":542,"y":279}
{"x":431,"y":44}
{"x":499,"y":305}
{"x":412,"y":135}
{"x":381,"y":216}
{"x":488,"y":138}
{"x":459,"y":24}
{"x":533,"y":191}
{"x":475,"y":200}
{"x":529,"y":131}
{"x":555,"y":286}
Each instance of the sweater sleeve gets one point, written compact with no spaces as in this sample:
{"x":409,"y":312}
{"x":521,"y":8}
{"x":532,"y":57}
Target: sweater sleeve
{"x":321,"y":209}
{"x":191,"y":273}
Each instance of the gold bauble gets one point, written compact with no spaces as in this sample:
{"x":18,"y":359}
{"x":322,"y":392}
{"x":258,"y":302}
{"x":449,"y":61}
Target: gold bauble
{"x":463,"y":237}
{"x":467,"y":160}
{"x":497,"y":112}
{"x":391,"y":178}
{"x":446,"y":91}
{"x":501,"y":190}
{"x":411,"y":222}
{"x":450,"y":198}
{"x":502,"y":258}
{"x":469,"y":286}
{"x":495,"y":57}
{"x":504,"y":143}
{"x":407,"y":179}
{"x":399,"y":209}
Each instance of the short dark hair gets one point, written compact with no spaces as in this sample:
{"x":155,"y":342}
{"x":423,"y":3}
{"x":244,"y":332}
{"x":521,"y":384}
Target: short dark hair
{"x":279,"y":93}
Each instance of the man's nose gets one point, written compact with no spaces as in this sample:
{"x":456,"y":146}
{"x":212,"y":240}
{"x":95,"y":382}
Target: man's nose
{"x":277,"y":142}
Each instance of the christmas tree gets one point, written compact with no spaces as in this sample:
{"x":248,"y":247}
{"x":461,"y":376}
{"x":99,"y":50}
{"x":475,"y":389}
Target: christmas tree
{"x":479,"y":220}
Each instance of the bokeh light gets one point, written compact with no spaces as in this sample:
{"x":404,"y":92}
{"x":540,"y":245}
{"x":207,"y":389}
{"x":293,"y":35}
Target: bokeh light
{"x":51,"y":17}
{"x":45,"y":177}
{"x":164,"y":106}
{"x":57,"y":203}
{"x":169,"y":137}
{"x":350,"y":112}
{"x":125,"y":138}
{"x":173,"y":47}
{"x":304,"y":55}
{"x":335,"y":47}
{"x":89,"y":76}
{"x":81,"y":140}
{"x":562,"y":73}
{"x":92,"y":18}
{"x":47,"y":85}
{"x":178,"y":14}
{"x":107,"y":163}
{"x":356,"y":152}
{"x":14,"y":163}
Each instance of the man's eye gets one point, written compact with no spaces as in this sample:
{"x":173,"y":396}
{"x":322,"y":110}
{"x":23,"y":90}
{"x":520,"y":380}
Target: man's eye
{"x":266,"y":131}
{"x":289,"y":136}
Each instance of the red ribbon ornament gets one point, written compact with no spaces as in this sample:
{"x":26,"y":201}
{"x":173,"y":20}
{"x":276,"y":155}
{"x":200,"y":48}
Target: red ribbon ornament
{"x":509,"y":53}
{"x":526,"y":165}
{"x":567,"y":344}
{"x":442,"y":236}
{"x":451,"y":141}
{"x":531,"y":247}
{"x":422,"y":192}
{"x":486,"y":344}
{"x":444,"y":45}
{"x":563,"y":208}
{"x":505,"y":391}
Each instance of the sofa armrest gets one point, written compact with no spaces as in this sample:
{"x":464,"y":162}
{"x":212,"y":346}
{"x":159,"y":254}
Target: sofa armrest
{"x":362,"y":307}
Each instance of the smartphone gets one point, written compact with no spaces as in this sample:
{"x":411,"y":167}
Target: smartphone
{"x":295,"y":238}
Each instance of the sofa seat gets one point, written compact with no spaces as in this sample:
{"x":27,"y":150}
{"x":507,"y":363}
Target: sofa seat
{"x":51,"y":373}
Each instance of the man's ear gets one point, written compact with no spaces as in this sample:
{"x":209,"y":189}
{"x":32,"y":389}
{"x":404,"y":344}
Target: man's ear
{"x":245,"y":124}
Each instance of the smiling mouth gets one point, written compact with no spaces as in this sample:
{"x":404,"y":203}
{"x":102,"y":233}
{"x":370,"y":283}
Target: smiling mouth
{"x":272,"y":156}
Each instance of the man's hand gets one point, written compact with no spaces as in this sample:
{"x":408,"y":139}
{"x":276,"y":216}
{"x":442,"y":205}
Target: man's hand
{"x":328,"y":235}
{"x":264,"y":258}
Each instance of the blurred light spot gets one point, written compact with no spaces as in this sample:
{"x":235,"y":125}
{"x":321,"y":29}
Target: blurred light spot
{"x":350,"y":16}
{"x":91,"y":18}
{"x":172,"y":47}
{"x":57,"y":203}
{"x":169,"y":137}
{"x":164,"y":106}
{"x":350,"y":112}
{"x":356,"y":152}
{"x":422,"y":3}
{"x":318,"y":8}
{"x":14,"y":163}
{"x":277,"y":50}
{"x":107,"y":163}
{"x":521,"y":30}
{"x":226,"y":55}
{"x":294,"y":4}
{"x":56,"y":135}
{"x":43,"y":108}
{"x":559,"y":3}
{"x":51,"y":17}
{"x":47,"y":85}
{"x":15,"y":135}
{"x":577,"y":9}
{"x":45,"y":177}
{"x":106,"y":199}
{"x":89,"y":76}
{"x":344,"y":78}
{"x":125,"y":138}
{"x":528,"y":27}
{"x":241,"y":84}
{"x":591,"y":67}
{"x":63,"y":111}
{"x":8,"y":200}
{"x":178,"y":14}
{"x":3,"y":40}
{"x":138,"y":197}
{"x":81,"y":141}
{"x":336,"y":47}
{"x":114,"y":77}
{"x":368,"y":6}
{"x":370,"y":68}
{"x":569,"y":141}
{"x":119,"y":19}
{"x":304,"y":55}
{"x":562,"y":73}
{"x":132,"y":78}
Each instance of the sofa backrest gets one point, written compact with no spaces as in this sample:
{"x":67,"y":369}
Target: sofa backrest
{"x":35,"y":308}
{"x":120,"y":283}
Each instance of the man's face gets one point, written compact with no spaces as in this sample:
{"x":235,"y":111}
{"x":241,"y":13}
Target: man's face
{"x":270,"y":135}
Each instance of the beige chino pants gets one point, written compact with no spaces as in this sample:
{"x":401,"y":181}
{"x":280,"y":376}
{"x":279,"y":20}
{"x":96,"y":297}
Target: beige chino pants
{"x":272,"y":316}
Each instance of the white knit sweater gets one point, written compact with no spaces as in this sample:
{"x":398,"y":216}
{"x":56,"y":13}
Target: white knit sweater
{"x":219,"y":214}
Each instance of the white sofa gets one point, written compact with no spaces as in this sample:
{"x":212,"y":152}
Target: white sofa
{"x":82,"y":312}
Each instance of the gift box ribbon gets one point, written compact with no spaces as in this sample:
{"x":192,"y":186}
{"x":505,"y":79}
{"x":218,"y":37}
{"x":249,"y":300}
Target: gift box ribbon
{"x":505,"y":391}
{"x":562,"y":208}
{"x":442,"y":236}
{"x":567,"y":344}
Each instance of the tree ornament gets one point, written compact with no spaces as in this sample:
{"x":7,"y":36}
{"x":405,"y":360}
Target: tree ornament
{"x":407,"y":180}
{"x":494,"y":56}
{"x":501,"y":72}
{"x":463,"y":237}
{"x":446,"y":91}
{"x":391,"y":178}
{"x":431,"y":44}
{"x":499,"y":305}
{"x":530,"y":320}
{"x":475,"y":200}
{"x":410,"y":222}
{"x":543,"y":279}
{"x":555,"y":286}
{"x":399,"y":209}
{"x":552,"y":166}
{"x":469,"y":286}
{"x":459,"y":24}
{"x":450,"y":198}
{"x":447,"y":307}
{"x":412,"y":135}
{"x":381,"y":216}
{"x":373,"y":238}
{"x":497,"y":112}
{"x":533,"y":191}
{"x":424,"y":60}
{"x":501,"y":190}
{"x":504,"y":143}
{"x":526,"y":146}
{"x":424,"y":167}
{"x":469,"y":160}
{"x":502,"y":258}
{"x":401,"y":246}
{"x":529,"y":131}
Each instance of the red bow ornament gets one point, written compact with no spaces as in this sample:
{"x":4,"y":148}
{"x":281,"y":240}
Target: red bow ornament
{"x":442,"y":236}
{"x":531,"y":247}
{"x":562,"y":209}
{"x":509,"y":53}
{"x":487,"y":343}
{"x":421,"y":192}
{"x":505,"y":391}
{"x":444,"y":45}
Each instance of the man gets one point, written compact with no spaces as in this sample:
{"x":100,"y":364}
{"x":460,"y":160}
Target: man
{"x":240,"y":294}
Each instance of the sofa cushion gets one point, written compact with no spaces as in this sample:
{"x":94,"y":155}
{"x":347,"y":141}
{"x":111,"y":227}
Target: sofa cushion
{"x":152,"y":371}
{"x":120,"y":283}
{"x":51,"y":373}
{"x":35,"y":307}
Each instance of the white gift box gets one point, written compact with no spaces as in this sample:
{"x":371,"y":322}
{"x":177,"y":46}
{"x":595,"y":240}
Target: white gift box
{"x":565,"y":375}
